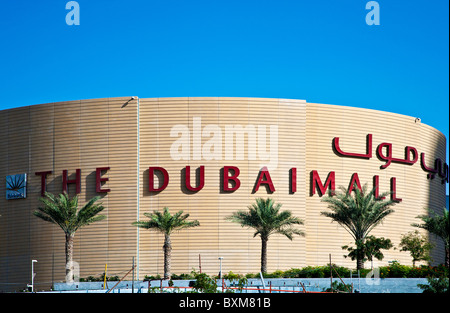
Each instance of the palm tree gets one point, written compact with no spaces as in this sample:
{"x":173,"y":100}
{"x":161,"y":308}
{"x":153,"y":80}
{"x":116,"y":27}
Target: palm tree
{"x":265,"y":217}
{"x":439,"y":226}
{"x":358,"y":214}
{"x":166,"y":224}
{"x":64,"y":212}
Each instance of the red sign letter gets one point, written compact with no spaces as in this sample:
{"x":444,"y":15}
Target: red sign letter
{"x":43,"y":180}
{"x":376,"y":186}
{"x":267,"y":180}
{"x":293,"y":180}
{"x":355,"y":180}
{"x":394,"y":190}
{"x":187,"y":180}
{"x":151,"y":173}
{"x":226,"y":178}
{"x":322,"y":189}
{"x":67,"y":181}
{"x":99,"y":179}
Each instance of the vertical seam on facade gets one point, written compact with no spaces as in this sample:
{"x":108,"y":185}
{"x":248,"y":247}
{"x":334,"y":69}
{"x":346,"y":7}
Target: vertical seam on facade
{"x":138,"y":187}
{"x":108,"y":213}
{"x":53,"y":171}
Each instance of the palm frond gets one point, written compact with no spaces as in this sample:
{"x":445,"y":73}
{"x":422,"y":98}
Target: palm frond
{"x":358,"y":213}
{"x":265,"y":218}
{"x":63,"y":211}
{"x":165,"y":222}
{"x":436,"y":224}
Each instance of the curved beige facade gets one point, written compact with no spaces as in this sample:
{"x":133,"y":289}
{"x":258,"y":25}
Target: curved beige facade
{"x":116,"y":143}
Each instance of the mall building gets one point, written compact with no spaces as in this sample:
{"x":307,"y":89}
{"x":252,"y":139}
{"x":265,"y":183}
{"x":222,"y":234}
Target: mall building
{"x":209,"y":157}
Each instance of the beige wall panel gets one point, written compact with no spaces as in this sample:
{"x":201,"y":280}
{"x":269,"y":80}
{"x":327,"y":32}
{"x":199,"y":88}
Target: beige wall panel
{"x":16,"y":216}
{"x":69,"y":135}
{"x":47,"y":243}
{"x":215,"y":237}
{"x":352,"y":125}
{"x":4,"y":211}
{"x":122,"y":142}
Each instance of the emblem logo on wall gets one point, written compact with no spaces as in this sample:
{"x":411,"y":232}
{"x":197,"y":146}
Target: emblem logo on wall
{"x":16,"y":186}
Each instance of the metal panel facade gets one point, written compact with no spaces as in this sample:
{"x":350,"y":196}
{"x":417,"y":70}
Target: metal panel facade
{"x":130,"y":136}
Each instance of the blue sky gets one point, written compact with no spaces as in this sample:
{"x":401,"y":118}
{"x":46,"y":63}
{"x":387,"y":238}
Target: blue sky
{"x":322,"y":51}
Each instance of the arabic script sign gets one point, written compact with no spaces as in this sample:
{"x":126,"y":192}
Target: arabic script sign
{"x":384,"y":152}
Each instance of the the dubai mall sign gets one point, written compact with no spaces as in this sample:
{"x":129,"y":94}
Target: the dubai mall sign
{"x":259,"y":146}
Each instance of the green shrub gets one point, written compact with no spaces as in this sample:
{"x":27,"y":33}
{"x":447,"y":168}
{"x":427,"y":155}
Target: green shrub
{"x":232,"y":276}
{"x":252,"y":275}
{"x":398,"y":270}
{"x":204,"y":283}
{"x":100,"y":278}
{"x":338,"y":287}
{"x":394,"y":270}
{"x":151,"y":277}
{"x":182,"y":276}
{"x":292,"y":273}
{"x":276,"y":274}
{"x":337,"y":270}
{"x":435,"y":285}
{"x":311,"y":272}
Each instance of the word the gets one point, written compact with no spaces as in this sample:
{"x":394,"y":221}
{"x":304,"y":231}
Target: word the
{"x":77,"y":181}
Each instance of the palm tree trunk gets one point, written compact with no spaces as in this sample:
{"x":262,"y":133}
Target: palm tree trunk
{"x":69,"y":257}
{"x":264,"y":254}
{"x":359,"y":264}
{"x":167,"y":256}
{"x":447,"y":256}
{"x":360,"y":253}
